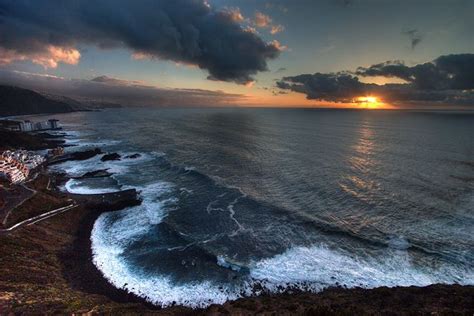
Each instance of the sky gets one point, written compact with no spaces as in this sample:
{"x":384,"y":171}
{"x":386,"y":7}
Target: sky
{"x":326,"y":53}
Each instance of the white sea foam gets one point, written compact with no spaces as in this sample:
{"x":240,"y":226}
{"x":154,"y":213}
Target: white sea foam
{"x":76,"y":187}
{"x":133,"y":222}
{"x":78,"y":168}
{"x":321,"y":267}
{"x":223,"y":262}
{"x":154,"y":288}
{"x":110,"y":237}
{"x":79,"y":140}
{"x":398,"y":242}
{"x":116,"y":167}
{"x":80,"y":143}
{"x":311,"y":268}
{"x":69,"y":134}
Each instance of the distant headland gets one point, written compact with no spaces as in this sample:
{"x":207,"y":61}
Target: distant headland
{"x":17,"y":101}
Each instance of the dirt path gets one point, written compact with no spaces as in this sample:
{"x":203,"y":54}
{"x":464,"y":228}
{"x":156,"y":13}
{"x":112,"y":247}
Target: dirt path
{"x":38,"y":218}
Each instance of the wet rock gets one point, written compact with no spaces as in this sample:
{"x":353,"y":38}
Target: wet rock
{"x":78,"y":155}
{"x":84,"y":155}
{"x":110,"y":157}
{"x":102,"y":173}
{"x":134,"y":156}
{"x":110,"y":201}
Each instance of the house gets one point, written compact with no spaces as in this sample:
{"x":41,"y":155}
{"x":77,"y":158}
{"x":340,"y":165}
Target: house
{"x":27,"y":126}
{"x":53,"y":123}
{"x":39,"y":126}
{"x":49,"y":124}
{"x":14,"y":170}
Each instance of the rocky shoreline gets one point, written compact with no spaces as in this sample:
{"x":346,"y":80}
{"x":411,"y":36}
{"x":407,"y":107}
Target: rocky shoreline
{"x":81,"y":273}
{"x":47,"y":268}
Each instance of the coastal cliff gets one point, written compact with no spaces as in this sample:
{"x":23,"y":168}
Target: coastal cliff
{"x":18,"y":101}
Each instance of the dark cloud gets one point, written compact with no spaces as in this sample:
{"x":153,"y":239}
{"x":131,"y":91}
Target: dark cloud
{"x":338,"y":87}
{"x":282,"y":69}
{"x":414,"y":36}
{"x":115,"y":90}
{"x":116,"y":81}
{"x":279,"y":92}
{"x":185,"y":31}
{"x":448,"y":79}
{"x":449,"y":72}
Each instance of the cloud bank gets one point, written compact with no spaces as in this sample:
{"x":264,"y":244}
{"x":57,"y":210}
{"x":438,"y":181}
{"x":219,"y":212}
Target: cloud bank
{"x":185,"y":31}
{"x":447,"y":79}
{"x":116,"y":90}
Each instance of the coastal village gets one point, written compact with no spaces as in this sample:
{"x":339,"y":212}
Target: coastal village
{"x":19,"y":166}
{"x":16,"y":165}
{"x":45,"y":256}
{"x":20,"y":169}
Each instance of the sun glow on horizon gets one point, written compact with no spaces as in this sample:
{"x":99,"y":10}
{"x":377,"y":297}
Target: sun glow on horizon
{"x":369,"y":102}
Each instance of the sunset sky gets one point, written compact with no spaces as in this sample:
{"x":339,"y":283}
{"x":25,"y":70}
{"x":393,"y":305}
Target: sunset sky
{"x":336,"y":53}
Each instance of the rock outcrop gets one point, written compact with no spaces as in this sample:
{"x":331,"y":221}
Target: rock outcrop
{"x":110,"y":157}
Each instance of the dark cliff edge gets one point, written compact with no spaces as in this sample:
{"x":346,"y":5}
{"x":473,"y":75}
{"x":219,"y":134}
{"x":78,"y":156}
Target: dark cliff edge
{"x":19,"y":101}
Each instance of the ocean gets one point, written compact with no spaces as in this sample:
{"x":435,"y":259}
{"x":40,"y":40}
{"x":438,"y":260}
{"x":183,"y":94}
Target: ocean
{"x":240,"y":202}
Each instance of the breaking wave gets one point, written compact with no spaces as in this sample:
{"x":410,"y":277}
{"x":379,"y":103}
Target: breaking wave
{"x":310,"y":268}
{"x":77,"y":187}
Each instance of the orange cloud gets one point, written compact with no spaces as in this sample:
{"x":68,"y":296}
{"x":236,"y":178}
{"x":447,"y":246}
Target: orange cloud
{"x":276,"y":29}
{"x":250,"y":84}
{"x":279,"y":46}
{"x":49,"y":58}
{"x":262,"y":20}
{"x":141,"y":56}
{"x":251,"y":30}
{"x":234,"y":14}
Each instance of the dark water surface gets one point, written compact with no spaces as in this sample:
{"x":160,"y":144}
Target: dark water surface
{"x":310,"y":198}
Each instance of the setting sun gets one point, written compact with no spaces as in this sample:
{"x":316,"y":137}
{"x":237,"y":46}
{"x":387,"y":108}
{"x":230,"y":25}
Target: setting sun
{"x":369,"y":102}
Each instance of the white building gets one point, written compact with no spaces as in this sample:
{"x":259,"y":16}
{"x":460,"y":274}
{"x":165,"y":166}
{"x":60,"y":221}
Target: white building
{"x":28,"y":126}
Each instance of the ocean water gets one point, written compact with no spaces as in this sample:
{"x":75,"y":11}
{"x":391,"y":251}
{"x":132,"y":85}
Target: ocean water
{"x":242,"y":201}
